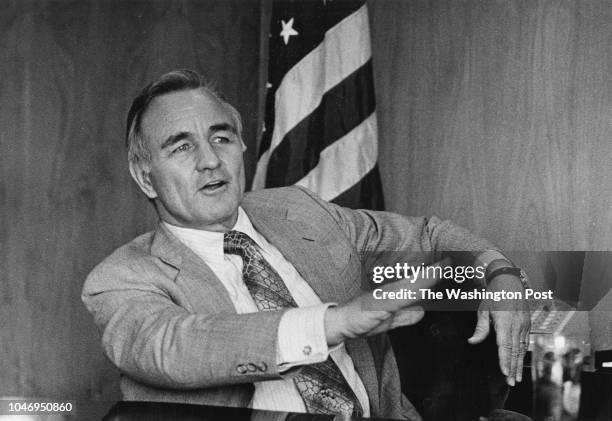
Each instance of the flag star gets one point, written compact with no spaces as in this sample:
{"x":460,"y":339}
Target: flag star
{"x":268,"y":85}
{"x":288,"y":30}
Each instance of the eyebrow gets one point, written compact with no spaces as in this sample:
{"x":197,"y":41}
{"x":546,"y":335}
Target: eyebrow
{"x":177,"y":137}
{"x":222,"y":127}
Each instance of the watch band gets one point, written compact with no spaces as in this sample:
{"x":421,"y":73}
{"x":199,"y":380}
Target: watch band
{"x":509,"y":270}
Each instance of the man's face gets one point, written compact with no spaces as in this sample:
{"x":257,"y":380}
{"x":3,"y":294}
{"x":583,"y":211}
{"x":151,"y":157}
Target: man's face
{"x":196,"y":172}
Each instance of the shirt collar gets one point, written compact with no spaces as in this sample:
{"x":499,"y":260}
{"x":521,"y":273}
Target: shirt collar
{"x":209,"y":244}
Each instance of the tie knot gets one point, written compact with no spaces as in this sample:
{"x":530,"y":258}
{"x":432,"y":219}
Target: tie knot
{"x":236,"y":242}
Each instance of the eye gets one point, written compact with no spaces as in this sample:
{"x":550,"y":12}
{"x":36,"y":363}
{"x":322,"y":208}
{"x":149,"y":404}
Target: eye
{"x":182,"y":148}
{"x":221,"y":139}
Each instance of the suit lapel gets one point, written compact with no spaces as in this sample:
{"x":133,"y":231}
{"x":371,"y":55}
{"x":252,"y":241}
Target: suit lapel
{"x":206,"y":292}
{"x":301,"y":245}
{"x":362,"y":357}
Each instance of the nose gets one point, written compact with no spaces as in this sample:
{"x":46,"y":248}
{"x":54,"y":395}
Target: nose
{"x":207,"y":158}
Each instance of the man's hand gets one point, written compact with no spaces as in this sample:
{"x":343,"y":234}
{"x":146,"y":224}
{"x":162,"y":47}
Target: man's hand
{"x":512,"y":321}
{"x":365,"y":316}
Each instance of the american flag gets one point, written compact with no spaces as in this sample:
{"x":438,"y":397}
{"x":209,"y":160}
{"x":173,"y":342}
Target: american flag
{"x":320,"y":128}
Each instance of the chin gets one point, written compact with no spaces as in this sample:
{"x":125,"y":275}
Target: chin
{"x":224,"y":216}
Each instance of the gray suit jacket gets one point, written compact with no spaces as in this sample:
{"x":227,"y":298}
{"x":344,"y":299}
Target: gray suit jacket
{"x":170,"y":327}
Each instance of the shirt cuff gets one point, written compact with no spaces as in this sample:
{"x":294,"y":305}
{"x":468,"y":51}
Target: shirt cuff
{"x":301,"y":337}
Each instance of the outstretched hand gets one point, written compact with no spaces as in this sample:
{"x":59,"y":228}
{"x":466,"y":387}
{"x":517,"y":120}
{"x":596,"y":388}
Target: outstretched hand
{"x":365,"y":316}
{"x":512,"y":321}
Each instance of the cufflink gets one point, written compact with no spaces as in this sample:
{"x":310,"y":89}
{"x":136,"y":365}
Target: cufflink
{"x":307,"y":350}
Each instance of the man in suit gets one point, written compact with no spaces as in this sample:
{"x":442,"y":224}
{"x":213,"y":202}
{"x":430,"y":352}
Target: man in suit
{"x":257,"y":300}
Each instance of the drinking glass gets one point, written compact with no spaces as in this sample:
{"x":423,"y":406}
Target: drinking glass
{"x":556,"y":367}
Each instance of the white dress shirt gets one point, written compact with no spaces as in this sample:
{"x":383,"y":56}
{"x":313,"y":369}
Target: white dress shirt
{"x":301,"y":332}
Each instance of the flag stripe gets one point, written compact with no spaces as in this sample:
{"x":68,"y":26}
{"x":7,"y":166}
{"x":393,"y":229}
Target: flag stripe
{"x":366,"y":193}
{"x":344,"y":162}
{"x":342,"y":108}
{"x":345,"y":49}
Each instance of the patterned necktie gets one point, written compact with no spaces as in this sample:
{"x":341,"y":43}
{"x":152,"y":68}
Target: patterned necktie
{"x":322,"y":386}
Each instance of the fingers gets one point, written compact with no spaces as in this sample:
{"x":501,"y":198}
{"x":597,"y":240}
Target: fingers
{"x":521,"y":321}
{"x":512,"y":329}
{"x":482,"y":328}
{"x":368,"y":323}
{"x":504,"y":344}
{"x":512,"y":341}
{"x":384,"y":326}
{"x":524,"y":345}
{"x":407,"y":316}
{"x":400,"y":318}
{"x":520,"y":344}
{"x":515,"y":353}
{"x":350,"y":321}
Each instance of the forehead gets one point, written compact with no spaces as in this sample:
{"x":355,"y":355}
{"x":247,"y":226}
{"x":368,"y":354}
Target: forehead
{"x":190,"y":111}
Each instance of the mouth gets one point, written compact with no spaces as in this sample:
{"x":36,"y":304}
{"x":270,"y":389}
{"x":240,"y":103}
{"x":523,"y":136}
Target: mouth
{"x":214,"y":186}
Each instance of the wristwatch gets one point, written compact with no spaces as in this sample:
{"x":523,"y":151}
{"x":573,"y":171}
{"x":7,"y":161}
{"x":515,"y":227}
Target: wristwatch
{"x":509,"y":270}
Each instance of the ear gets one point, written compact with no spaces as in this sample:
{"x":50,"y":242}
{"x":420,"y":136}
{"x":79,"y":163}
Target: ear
{"x":142,"y":176}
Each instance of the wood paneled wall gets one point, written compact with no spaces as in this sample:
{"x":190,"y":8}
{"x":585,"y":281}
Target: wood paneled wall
{"x":68,"y":72}
{"x":497,"y":115}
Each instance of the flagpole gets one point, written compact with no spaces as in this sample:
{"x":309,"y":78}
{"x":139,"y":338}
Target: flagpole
{"x":264,"y":30}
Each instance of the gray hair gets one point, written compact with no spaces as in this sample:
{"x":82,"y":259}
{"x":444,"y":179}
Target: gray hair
{"x":175,"y":81}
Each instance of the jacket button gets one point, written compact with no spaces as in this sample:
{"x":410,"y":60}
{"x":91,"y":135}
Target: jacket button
{"x":240,"y":368}
{"x":251,"y":367}
{"x":262,"y":366}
